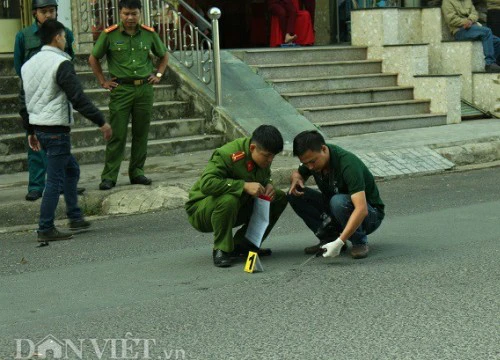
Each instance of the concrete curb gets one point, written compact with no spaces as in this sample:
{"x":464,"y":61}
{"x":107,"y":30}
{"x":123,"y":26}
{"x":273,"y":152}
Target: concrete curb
{"x":171,"y":194}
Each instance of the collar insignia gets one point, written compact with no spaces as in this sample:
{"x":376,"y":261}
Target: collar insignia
{"x":111,"y":28}
{"x":237,"y":156}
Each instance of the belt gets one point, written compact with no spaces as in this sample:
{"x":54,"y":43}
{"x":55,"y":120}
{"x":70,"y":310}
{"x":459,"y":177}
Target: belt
{"x":135,"y":82}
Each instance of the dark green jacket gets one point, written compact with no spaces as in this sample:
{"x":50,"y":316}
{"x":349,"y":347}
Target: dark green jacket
{"x":28,"y":43}
{"x":348,"y":175}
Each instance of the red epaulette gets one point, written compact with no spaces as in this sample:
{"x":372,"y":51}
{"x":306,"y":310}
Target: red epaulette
{"x":111,"y":28}
{"x":237,"y":156}
{"x":148,"y":28}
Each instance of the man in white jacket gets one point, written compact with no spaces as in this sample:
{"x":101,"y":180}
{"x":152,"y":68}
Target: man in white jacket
{"x":51,"y":90}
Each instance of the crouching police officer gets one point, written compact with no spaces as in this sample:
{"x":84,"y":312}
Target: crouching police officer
{"x":127,"y":47}
{"x":223,"y":197}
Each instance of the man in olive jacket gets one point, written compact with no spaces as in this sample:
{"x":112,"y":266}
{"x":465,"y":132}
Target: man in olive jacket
{"x":461,"y":18}
{"x":223,"y":196}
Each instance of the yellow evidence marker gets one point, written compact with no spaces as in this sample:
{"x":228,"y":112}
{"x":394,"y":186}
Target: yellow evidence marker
{"x":253,"y":263}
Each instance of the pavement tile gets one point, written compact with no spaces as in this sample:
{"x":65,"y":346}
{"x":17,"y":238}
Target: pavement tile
{"x":394,"y":153}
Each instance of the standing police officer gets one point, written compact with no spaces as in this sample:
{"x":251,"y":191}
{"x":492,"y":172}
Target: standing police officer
{"x":26,"y":45}
{"x":127,"y":47}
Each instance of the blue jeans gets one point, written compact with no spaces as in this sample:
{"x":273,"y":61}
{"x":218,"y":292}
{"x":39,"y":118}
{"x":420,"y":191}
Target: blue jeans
{"x":63,"y":172}
{"x":312,"y":204}
{"x":491,"y":43}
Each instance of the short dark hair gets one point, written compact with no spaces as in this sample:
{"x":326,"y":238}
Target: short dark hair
{"x":130,"y":4}
{"x":307,"y":140}
{"x":268,"y":138}
{"x":49,"y":30}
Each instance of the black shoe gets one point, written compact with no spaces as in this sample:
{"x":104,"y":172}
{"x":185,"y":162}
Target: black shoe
{"x":79,"y":191}
{"x":106,"y":185}
{"x":221,"y":258}
{"x":492,"y":68}
{"x":33,"y":195}
{"x":80,"y":224}
{"x":141,"y":180}
{"x":241,"y":250}
{"x":53,"y":235}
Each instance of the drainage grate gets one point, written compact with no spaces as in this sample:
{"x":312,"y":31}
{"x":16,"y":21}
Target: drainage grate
{"x":470,"y":112}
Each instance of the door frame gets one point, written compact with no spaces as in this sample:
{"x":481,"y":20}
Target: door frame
{"x":10,"y":27}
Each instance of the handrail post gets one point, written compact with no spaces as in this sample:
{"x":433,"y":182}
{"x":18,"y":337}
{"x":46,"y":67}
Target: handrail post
{"x":214,"y":14}
{"x":146,"y":12}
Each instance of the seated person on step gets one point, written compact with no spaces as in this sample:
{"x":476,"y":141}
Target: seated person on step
{"x":287,"y":14}
{"x":310,"y":6}
{"x":461,"y":18}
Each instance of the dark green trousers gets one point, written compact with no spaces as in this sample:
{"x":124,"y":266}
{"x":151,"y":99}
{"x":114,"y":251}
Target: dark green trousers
{"x":128,"y":101}
{"x":222,"y":213}
{"x":37,"y":165}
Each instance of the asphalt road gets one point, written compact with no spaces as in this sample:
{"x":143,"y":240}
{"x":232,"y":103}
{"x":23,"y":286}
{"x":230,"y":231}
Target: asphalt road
{"x":144,"y":286}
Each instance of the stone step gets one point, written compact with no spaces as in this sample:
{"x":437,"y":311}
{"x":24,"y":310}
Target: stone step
{"x":91,"y":136}
{"x":9,"y":84}
{"x":7,"y":64}
{"x":364,"y":111}
{"x":302,"y":55}
{"x":364,"y":126}
{"x":9,"y":104}
{"x":80,"y":62}
{"x":89,"y":81}
{"x":100,"y":97}
{"x":334,"y":83}
{"x":165,"y":110}
{"x":319,"y":69}
{"x":351,"y":96}
{"x":10,"y":124}
{"x":95,"y":154}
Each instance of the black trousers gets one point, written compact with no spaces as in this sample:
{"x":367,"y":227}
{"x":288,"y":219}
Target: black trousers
{"x":494,"y":21}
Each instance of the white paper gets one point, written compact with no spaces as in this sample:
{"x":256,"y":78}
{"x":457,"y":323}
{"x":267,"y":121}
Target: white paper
{"x":259,"y":221}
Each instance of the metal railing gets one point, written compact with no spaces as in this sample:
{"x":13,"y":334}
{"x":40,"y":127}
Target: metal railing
{"x":195,"y":45}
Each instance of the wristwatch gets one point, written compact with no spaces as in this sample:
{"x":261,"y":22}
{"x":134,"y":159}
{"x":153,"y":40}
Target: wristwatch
{"x":159,"y":75}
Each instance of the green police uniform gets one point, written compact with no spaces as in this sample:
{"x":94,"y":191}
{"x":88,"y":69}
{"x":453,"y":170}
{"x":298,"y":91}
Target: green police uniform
{"x":217,"y":202}
{"x":26,"y":45}
{"x":128,"y":59}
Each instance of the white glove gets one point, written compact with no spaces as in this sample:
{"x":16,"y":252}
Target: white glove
{"x":332,"y":249}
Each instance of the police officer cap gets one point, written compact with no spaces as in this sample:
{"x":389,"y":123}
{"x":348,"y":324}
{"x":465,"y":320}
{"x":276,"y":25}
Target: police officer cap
{"x":37,"y":4}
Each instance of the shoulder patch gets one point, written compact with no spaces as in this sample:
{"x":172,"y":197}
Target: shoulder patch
{"x":148,"y":28}
{"x":237,"y":156}
{"x":111,"y":28}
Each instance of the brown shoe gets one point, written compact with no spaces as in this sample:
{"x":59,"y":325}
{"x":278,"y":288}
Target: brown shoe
{"x":360,"y":251}
{"x":315,"y":248}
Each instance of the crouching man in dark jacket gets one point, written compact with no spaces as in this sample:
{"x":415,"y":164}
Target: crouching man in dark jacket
{"x":51,"y":90}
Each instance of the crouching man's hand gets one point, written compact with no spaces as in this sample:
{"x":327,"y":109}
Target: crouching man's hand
{"x":106,"y":131}
{"x":333,"y":248}
{"x":253,"y":188}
